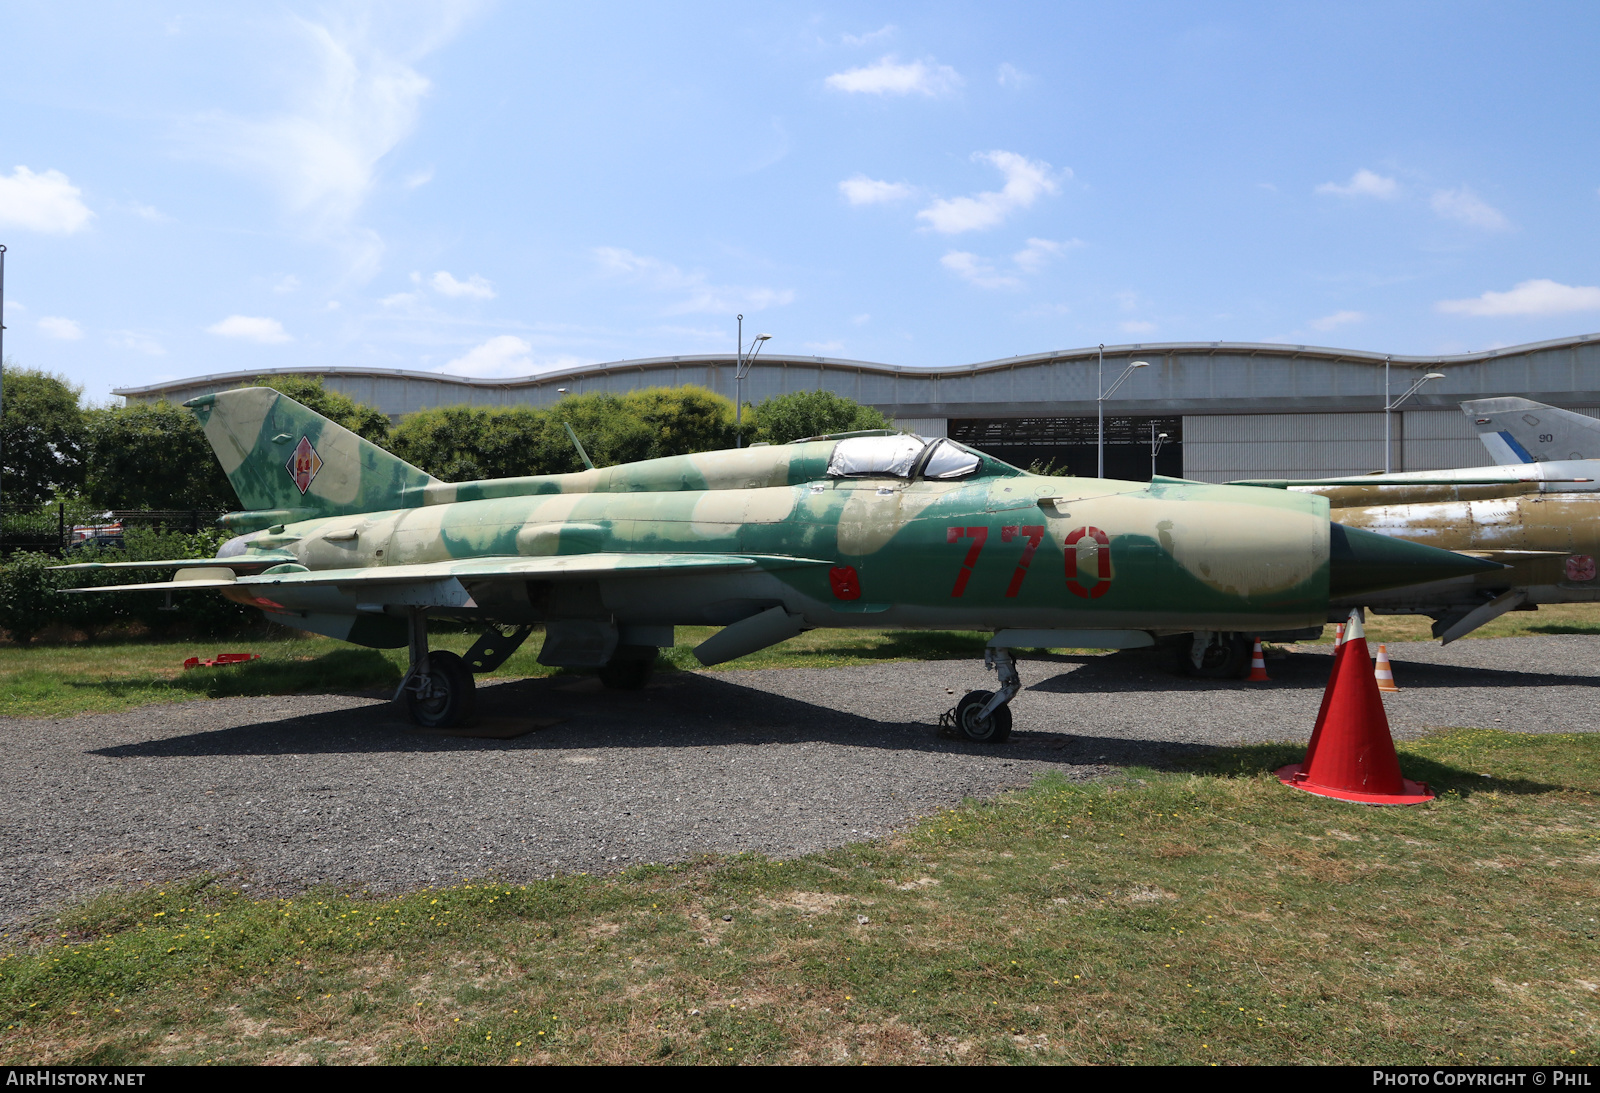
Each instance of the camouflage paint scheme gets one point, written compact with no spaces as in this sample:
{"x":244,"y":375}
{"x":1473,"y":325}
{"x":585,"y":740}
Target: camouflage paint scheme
{"x":344,"y":538}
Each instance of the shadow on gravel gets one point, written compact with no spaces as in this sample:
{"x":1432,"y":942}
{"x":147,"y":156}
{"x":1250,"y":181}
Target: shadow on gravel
{"x":1147,"y":671}
{"x":684,"y":711}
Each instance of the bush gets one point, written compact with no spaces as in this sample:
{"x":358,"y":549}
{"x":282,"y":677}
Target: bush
{"x":466,"y":444}
{"x":33,"y":597}
{"x":800,"y":414}
{"x":153,"y":455}
{"x":29,"y":600}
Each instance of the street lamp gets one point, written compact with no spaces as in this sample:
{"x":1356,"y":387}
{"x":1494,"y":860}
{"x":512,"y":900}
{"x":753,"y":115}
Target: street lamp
{"x":1157,"y":441}
{"x":1388,"y":408}
{"x":741,"y":369}
{"x":1100,"y":402}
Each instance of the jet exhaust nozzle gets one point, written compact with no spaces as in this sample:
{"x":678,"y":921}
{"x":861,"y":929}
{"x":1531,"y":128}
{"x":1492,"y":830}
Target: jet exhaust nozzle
{"x":1364,"y":561}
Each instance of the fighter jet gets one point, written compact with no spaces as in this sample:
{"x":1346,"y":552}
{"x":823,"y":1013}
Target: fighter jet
{"x":342,"y":538}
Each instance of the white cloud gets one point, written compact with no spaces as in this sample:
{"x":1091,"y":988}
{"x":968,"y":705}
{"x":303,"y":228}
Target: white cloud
{"x":139,"y":343}
{"x":862,"y":190}
{"x":1466,"y":207}
{"x":1011,"y":76}
{"x":505,"y":355}
{"x":1026,"y":181}
{"x":289,"y":283}
{"x":870,"y":36}
{"x":979,"y":271}
{"x":150,"y":213}
{"x":353,"y":99}
{"x":418,"y":178}
{"x":251,"y":329}
{"x":1540,"y":297}
{"x":889,"y":77}
{"x":46,"y":202}
{"x":1137,"y":326}
{"x":821,"y":348}
{"x":1363,"y":183}
{"x":1038,"y":253}
{"x":473,"y":286}
{"x":696,"y":294}
{"x":398,"y":299}
{"x":1338,"y":318}
{"x":66,"y":330}
{"x":861,"y":320}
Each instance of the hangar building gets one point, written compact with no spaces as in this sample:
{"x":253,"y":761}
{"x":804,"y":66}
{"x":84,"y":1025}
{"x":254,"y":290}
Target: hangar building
{"x":1230,"y":409}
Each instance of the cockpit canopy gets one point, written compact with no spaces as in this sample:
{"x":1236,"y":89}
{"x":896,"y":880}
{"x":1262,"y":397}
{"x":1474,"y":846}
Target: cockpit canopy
{"x":900,"y":457}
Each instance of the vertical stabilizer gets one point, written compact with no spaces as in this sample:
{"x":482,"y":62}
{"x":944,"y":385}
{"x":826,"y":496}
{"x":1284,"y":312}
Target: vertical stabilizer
{"x":281,"y":456}
{"x":1519,"y":430}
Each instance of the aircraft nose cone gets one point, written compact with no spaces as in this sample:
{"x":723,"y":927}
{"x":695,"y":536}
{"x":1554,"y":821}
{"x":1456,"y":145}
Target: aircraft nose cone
{"x":1364,"y":561}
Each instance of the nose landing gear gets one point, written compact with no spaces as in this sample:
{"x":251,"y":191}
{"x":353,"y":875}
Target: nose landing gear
{"x":984,"y":717}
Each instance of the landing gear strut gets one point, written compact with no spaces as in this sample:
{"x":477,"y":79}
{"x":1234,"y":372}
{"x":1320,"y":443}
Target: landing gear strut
{"x":984,"y":717}
{"x":438,"y":687}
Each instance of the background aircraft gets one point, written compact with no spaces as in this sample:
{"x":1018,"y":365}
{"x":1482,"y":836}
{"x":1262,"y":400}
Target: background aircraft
{"x":1538,"y":515}
{"x":342,"y":538}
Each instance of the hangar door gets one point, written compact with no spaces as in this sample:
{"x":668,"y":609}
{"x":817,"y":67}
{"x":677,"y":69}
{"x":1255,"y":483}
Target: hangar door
{"x":1066,"y":445}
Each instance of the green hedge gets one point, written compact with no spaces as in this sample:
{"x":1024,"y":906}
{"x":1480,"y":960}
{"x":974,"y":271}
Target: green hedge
{"x":33,"y":596}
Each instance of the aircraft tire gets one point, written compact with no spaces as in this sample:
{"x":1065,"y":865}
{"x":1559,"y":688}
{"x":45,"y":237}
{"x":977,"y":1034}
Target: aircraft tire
{"x":994,"y":729}
{"x":453,"y":697}
{"x":629,"y":669}
{"x":1228,"y":657}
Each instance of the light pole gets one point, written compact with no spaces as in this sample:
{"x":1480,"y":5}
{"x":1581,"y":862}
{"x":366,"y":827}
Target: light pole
{"x":1100,"y":403}
{"x":1157,"y":440}
{"x":741,"y":368}
{"x":1388,"y":409}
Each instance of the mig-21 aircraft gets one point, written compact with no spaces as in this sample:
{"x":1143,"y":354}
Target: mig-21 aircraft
{"x":859,"y":530}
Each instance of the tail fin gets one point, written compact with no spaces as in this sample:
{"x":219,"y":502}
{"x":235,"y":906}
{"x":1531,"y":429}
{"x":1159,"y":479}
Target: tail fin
{"x":1519,"y":430}
{"x":283,"y":458}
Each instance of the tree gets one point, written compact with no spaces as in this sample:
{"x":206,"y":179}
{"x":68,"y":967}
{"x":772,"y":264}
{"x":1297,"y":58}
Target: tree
{"x":152,"y":455}
{"x":363,"y":420}
{"x":41,"y":437}
{"x":645,"y":424}
{"x":799,"y":414}
{"x":466,"y":444}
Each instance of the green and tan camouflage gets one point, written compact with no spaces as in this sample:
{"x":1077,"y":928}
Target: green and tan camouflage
{"x":877,"y":530}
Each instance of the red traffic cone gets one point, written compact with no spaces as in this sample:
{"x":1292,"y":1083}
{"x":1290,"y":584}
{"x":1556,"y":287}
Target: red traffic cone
{"x":1258,"y":666}
{"x":1351,"y":756}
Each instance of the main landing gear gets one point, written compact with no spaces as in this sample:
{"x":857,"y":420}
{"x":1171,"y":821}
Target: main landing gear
{"x":438,"y":687}
{"x":984,"y":717}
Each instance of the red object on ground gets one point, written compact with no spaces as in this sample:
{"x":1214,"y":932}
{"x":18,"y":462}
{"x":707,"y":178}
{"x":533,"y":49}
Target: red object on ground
{"x":221,"y":660}
{"x":1258,"y":666}
{"x":1351,"y":756}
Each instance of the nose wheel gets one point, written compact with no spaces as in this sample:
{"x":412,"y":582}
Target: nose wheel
{"x":984,"y":717}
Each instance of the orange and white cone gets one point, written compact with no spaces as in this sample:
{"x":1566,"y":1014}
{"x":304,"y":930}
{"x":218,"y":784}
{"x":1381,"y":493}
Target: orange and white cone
{"x":1258,"y":666}
{"x":1384,"y":673}
{"x":1338,"y":635}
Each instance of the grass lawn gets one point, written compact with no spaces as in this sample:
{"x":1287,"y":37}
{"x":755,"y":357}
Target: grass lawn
{"x":67,"y":678}
{"x":1189,"y":916}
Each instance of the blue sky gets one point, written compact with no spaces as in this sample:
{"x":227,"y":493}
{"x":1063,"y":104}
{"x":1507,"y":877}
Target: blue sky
{"x":496,"y":189}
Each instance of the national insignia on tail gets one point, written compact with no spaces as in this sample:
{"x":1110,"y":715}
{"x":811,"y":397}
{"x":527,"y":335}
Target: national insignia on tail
{"x":303,"y":465}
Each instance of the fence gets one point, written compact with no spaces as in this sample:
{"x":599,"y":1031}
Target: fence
{"x":58,"y":530}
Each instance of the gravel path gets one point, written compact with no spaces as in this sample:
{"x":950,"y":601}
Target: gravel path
{"x":299,"y":790}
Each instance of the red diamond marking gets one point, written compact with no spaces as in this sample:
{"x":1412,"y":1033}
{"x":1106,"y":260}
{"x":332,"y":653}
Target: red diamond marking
{"x":303,"y":464}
